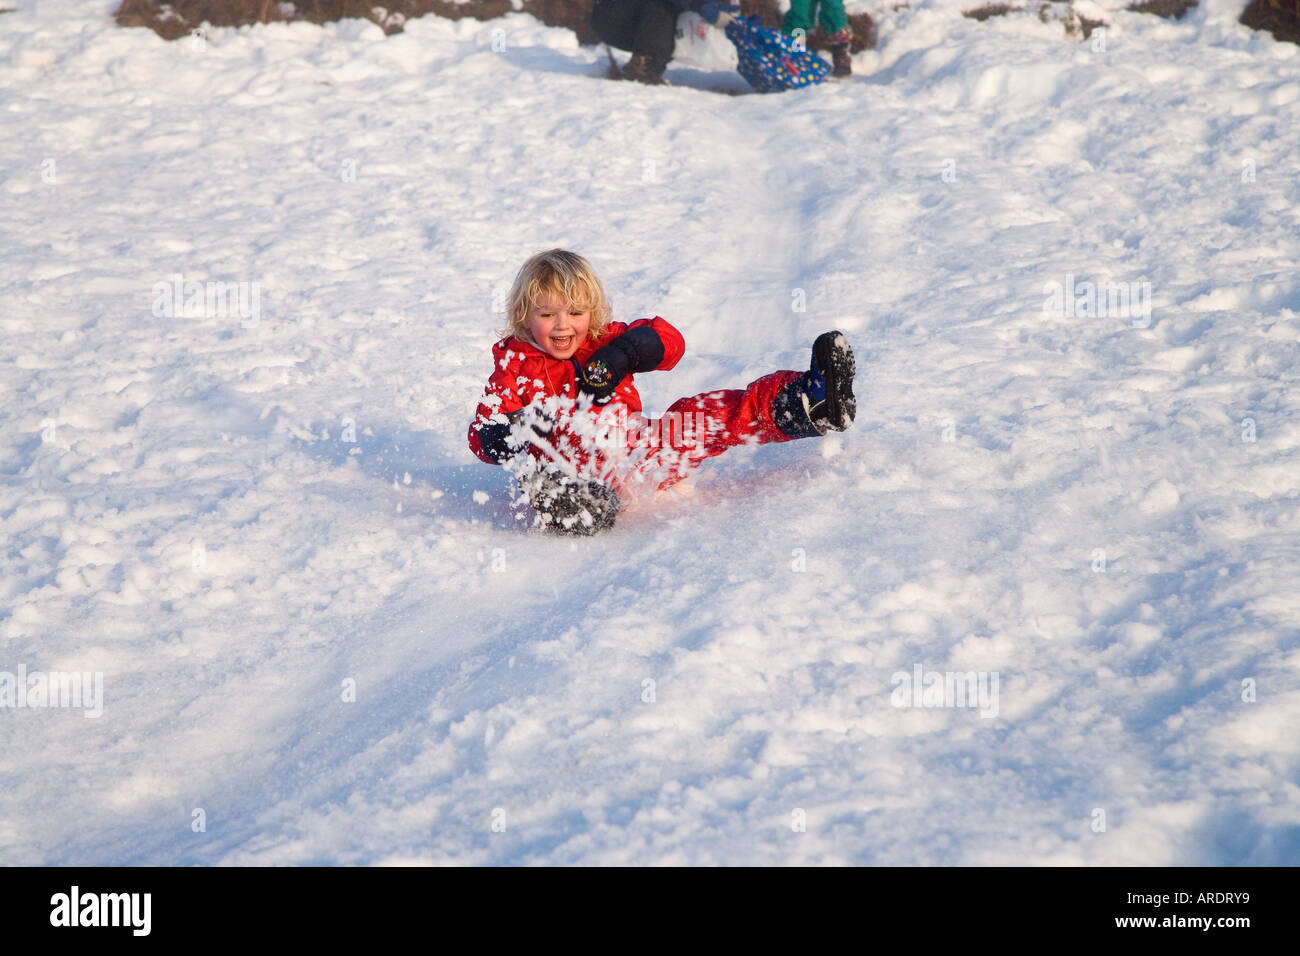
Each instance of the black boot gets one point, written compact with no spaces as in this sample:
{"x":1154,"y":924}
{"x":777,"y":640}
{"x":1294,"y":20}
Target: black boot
{"x":644,"y":69}
{"x":821,"y":399}
{"x":570,"y":505}
{"x":841,"y":62}
{"x":838,"y":44}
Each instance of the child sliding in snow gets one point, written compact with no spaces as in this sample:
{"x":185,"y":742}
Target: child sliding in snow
{"x":562,"y":384}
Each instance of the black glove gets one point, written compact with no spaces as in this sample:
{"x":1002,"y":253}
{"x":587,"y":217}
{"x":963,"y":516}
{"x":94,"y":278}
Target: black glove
{"x":600,"y":376}
{"x":636,"y":350}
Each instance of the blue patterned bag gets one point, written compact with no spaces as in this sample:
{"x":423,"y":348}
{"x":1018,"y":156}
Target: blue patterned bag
{"x":769,"y":60}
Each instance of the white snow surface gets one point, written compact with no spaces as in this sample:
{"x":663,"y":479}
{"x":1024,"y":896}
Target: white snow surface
{"x":1072,"y":503}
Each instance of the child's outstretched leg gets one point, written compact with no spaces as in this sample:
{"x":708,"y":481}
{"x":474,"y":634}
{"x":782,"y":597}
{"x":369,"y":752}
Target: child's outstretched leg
{"x":778,"y":407}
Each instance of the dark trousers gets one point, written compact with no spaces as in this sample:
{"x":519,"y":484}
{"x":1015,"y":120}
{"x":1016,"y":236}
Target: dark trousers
{"x":638,"y":26}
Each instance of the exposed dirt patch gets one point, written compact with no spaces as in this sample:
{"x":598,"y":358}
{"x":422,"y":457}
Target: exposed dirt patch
{"x":177,"y":18}
{"x":991,"y":10}
{"x":1076,"y":25}
{"x":1169,"y":9}
{"x":1279,"y":17}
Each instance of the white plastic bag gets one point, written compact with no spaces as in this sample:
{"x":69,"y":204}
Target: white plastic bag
{"x":702,"y":46}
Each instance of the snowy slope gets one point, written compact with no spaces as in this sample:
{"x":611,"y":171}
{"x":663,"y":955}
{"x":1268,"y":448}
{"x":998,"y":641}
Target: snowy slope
{"x":1070,"y":502}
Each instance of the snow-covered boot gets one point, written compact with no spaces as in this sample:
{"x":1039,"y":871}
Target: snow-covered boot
{"x":821,"y":399}
{"x":571,"y":505}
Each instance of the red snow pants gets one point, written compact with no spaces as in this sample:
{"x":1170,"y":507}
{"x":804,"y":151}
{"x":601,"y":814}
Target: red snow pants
{"x":633,"y":450}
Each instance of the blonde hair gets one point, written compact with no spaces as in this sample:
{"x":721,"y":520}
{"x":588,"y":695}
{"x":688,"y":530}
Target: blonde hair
{"x":567,"y":276}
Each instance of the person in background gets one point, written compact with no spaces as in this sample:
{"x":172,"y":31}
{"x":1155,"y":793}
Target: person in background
{"x":835,"y":23}
{"x":648,"y":30}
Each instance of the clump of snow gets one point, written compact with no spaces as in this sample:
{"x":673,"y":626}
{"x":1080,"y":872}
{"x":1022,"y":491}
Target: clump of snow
{"x":1161,"y":496}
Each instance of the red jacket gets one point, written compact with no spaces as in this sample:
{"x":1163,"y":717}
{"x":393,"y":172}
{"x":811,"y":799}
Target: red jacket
{"x":521,"y":372}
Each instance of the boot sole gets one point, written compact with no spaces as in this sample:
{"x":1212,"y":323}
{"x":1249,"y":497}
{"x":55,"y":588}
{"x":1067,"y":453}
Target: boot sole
{"x":595,"y":514}
{"x":835,"y":358}
{"x":569,"y":506}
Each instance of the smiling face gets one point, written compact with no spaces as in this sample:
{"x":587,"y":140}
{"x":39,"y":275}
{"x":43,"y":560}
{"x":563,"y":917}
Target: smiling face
{"x":558,"y":328}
